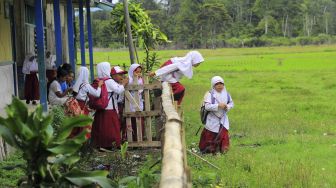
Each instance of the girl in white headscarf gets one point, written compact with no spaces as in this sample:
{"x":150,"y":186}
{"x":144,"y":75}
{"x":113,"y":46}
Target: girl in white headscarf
{"x":82,"y":88}
{"x":30,"y":69}
{"x":135,"y":72}
{"x":106,"y":125}
{"x":216,"y":132}
{"x":173,"y":70}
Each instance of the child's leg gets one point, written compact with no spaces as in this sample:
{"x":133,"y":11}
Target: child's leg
{"x":206,"y":144}
{"x":225,"y":140}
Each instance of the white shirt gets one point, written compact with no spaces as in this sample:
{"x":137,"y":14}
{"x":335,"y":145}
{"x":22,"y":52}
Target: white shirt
{"x":86,"y":89}
{"x":217,"y":115}
{"x":53,"y":98}
{"x":169,"y":73}
{"x":29,"y":66}
{"x":117,"y":90}
{"x":50,"y":62}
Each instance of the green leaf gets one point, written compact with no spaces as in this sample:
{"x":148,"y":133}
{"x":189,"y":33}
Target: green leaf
{"x":83,"y":178}
{"x":21,"y":110}
{"x":70,"y":123}
{"x":127,"y":180}
{"x":8,"y":136}
{"x":68,"y":147}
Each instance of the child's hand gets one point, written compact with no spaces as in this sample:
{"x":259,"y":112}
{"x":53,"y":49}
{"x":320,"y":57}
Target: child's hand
{"x":222,"y":106}
{"x":152,"y":74}
{"x":100,"y":83}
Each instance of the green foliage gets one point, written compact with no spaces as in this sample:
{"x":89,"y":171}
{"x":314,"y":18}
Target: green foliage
{"x":58,"y":117}
{"x":50,"y":156}
{"x":211,"y":23}
{"x":123,"y":150}
{"x":148,"y":176}
{"x":152,"y":60}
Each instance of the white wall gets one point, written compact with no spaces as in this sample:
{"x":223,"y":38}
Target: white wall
{"x":7,"y":86}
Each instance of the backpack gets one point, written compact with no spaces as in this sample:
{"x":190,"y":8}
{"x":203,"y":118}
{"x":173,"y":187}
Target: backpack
{"x":99,"y":103}
{"x":204,"y":113}
{"x":72,"y":108}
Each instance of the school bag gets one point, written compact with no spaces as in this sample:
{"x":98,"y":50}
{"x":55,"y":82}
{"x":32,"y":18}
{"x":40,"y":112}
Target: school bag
{"x":72,"y":108}
{"x":204,"y":113}
{"x":99,"y":103}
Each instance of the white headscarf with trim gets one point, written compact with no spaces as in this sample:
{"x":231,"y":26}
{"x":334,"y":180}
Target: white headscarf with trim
{"x":185,"y":64}
{"x":131,"y":70}
{"x":104,"y":70}
{"x":82,"y":78}
{"x":221,"y":97}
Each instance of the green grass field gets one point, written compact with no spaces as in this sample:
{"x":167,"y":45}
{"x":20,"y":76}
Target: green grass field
{"x":283,"y":125}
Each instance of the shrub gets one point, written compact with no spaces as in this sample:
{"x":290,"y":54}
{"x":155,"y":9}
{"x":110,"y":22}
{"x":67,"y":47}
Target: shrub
{"x":49,"y":154}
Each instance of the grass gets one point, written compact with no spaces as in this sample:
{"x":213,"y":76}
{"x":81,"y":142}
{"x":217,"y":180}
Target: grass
{"x":283,"y":131}
{"x":283,"y":125}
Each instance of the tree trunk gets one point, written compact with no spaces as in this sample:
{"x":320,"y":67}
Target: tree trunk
{"x":266,"y":26}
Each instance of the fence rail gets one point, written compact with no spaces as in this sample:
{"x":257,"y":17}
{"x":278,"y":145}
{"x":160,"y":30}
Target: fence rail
{"x":175,"y":172}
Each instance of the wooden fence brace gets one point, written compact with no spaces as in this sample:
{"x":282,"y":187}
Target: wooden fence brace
{"x":143,"y":117}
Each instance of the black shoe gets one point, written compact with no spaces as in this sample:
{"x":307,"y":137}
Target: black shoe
{"x":34,"y":102}
{"x":27,"y":101}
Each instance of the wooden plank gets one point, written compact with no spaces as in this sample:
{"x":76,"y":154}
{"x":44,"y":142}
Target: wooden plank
{"x":128,"y":122}
{"x":145,"y":144}
{"x":143,"y":113}
{"x":138,"y":120}
{"x":132,"y":87}
{"x":132,"y":101}
{"x":148,"y":120}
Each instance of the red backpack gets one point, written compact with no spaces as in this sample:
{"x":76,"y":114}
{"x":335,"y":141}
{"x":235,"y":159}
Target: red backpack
{"x":99,"y":103}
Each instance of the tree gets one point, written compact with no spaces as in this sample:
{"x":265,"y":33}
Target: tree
{"x":147,"y":34}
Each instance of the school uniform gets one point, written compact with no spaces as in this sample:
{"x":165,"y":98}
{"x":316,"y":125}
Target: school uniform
{"x":82,"y":87}
{"x":133,"y":67}
{"x":31,"y":88}
{"x":106,"y":125}
{"x":216,"y":131}
{"x":55,"y":87}
{"x":51,"y":68}
{"x":175,"y":68}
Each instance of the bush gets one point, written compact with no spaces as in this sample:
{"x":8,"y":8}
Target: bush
{"x":50,"y":156}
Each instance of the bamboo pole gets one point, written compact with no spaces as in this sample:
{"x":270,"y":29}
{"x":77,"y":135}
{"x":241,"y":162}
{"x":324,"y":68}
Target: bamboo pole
{"x":173,"y":173}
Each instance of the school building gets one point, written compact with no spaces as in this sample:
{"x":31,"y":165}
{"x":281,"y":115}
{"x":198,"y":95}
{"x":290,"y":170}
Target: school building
{"x":38,"y":26}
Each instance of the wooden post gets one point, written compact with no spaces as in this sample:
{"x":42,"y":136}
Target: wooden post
{"x":148,"y":120}
{"x":138,"y":120}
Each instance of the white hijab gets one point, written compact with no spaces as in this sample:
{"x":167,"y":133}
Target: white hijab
{"x":131,"y":70}
{"x":104,"y":70}
{"x":221,"y":97}
{"x":29,"y":65}
{"x":82,"y":78}
{"x":185,"y":64}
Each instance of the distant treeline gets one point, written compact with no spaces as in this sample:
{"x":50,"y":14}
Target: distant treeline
{"x":231,"y":23}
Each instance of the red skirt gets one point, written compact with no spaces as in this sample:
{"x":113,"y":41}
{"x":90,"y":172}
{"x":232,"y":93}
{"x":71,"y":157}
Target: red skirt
{"x":178,"y":91}
{"x":178,"y":88}
{"x":51,"y":75}
{"x":77,"y":130}
{"x":211,"y":142}
{"x":106,"y":129}
{"x":32,"y":87}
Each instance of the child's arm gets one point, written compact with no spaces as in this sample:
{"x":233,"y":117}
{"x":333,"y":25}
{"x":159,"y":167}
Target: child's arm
{"x":92,"y":91}
{"x":61,"y":95}
{"x":166,"y":69}
{"x":208,"y":104}
{"x":112,"y":85}
{"x":230,"y":103}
